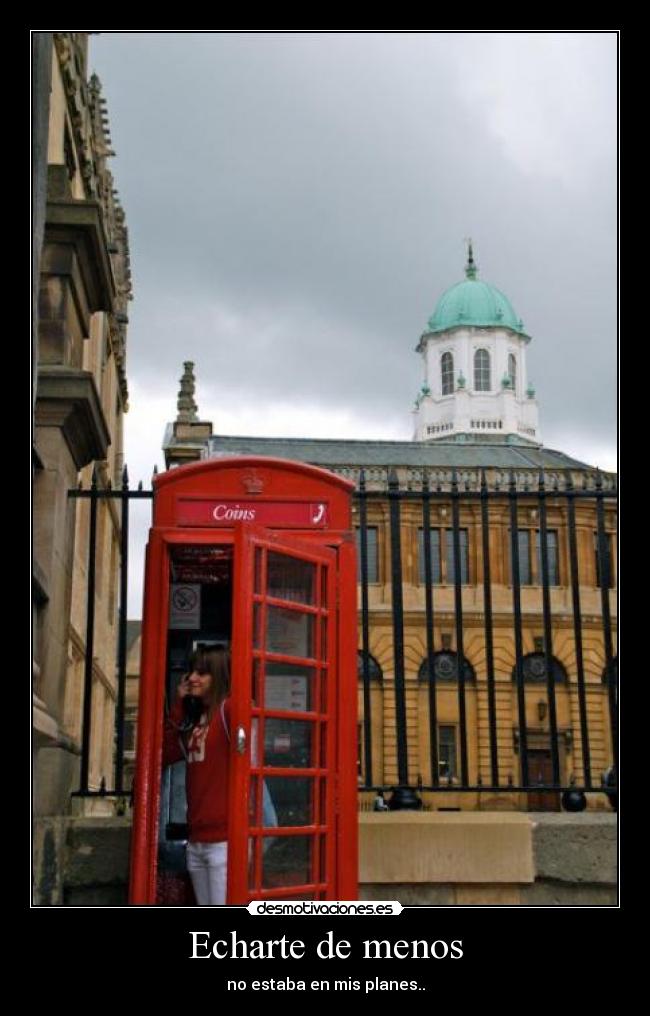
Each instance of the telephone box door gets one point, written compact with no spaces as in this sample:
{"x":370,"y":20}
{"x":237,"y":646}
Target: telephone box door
{"x":282,"y":839}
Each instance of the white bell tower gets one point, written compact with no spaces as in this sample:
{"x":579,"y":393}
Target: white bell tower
{"x":475,"y":376}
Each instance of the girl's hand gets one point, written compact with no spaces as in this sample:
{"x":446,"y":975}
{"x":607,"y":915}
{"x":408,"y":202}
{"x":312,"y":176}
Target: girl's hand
{"x":183,"y":687}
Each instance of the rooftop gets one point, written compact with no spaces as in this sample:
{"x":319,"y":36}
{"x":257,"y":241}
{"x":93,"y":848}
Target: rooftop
{"x":474,"y":452}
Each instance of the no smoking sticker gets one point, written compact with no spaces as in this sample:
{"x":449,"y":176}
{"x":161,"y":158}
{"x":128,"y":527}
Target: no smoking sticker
{"x":185,"y":606}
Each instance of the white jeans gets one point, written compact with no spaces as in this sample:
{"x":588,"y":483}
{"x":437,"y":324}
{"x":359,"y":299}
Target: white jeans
{"x":207,"y":864}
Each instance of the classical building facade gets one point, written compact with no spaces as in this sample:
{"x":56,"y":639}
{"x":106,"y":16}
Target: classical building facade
{"x":476,"y":415}
{"x":82,"y":289}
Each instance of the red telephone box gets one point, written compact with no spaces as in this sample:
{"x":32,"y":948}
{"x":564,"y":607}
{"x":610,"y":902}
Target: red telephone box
{"x":257,"y":554}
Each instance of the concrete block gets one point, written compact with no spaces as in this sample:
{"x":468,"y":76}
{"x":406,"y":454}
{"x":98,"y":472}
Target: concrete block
{"x":576,"y":848}
{"x":445,"y":847}
{"x":55,"y":776}
{"x":97,"y":896}
{"x":97,"y":853}
{"x":487,"y":895}
{"x":48,"y":853}
{"x":409,"y":895}
{"x":562,"y":894}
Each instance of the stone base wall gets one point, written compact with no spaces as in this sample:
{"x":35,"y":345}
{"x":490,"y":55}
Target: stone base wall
{"x":431,"y":859}
{"x":489,"y":859}
{"x":541,"y":893}
{"x":81,"y":862}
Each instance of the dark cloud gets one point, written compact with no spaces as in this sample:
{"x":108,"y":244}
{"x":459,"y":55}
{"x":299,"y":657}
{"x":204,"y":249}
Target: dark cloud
{"x":297,"y":204}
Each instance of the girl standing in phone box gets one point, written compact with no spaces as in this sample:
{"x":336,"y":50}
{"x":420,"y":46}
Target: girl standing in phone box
{"x":205,"y":748}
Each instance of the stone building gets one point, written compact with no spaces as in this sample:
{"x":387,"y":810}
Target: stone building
{"x":82,"y":290}
{"x":476,"y":411}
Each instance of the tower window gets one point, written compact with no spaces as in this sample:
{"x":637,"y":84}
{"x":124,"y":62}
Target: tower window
{"x":512,"y":371}
{"x":447,"y":373}
{"x":482,"y":371}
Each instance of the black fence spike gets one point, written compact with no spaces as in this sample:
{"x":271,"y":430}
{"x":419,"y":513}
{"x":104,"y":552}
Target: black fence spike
{"x":125,"y":478}
{"x":94,"y":478}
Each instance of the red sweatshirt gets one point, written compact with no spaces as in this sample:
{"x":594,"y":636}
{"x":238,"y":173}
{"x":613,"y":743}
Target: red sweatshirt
{"x":207,"y":753}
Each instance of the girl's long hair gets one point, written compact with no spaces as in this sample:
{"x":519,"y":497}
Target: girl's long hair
{"x":216,"y":662}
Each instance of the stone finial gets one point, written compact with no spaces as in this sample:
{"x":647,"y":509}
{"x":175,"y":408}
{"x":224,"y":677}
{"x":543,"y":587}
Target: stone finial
{"x":187,"y":407}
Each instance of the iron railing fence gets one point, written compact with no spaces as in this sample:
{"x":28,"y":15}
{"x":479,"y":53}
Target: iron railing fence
{"x":124,"y":496}
{"x":421,"y":490}
{"x":507,"y":491}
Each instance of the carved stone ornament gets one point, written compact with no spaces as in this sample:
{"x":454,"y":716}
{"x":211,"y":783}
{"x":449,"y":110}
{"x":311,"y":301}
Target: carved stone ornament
{"x":534,"y":669}
{"x":444,"y":668}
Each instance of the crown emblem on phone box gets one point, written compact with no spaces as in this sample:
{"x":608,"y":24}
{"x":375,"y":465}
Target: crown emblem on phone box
{"x":253,"y":482}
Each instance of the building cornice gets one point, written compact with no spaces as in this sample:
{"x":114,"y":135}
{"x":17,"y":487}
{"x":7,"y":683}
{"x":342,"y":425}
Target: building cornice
{"x":68,"y":399}
{"x":79,"y":226}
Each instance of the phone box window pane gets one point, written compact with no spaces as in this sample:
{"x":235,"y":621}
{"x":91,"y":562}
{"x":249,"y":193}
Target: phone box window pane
{"x":292,"y":799}
{"x":290,"y":579}
{"x":252,"y":801}
{"x":288,"y":743}
{"x":287,"y":862}
{"x":289,"y":632}
{"x":289,"y":686}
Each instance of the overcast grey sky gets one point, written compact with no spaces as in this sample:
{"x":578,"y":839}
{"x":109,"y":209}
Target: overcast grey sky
{"x":297,"y":203}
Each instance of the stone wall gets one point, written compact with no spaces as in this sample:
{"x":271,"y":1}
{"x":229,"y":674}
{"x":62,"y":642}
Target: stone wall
{"x":435,"y":859}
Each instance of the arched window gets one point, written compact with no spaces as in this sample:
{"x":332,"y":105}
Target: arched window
{"x":534,"y":668}
{"x":447,"y":373}
{"x":512,"y":370}
{"x":374,"y":670}
{"x":444,"y":668}
{"x":482,"y":371}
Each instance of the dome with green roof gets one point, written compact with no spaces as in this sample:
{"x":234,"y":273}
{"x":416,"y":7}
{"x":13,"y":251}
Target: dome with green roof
{"x":473,"y":303}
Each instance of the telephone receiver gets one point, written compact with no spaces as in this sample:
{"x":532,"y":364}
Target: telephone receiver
{"x":192,"y":709}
